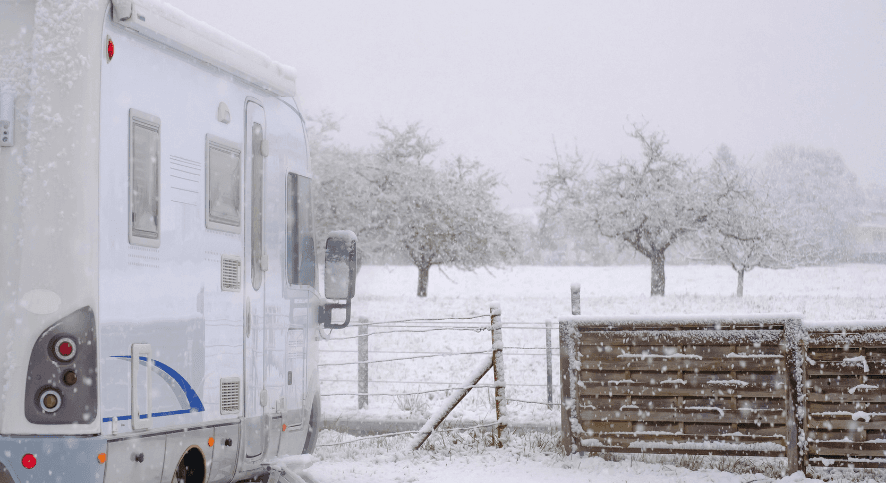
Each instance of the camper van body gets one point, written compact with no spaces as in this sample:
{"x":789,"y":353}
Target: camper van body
{"x":158,"y":291}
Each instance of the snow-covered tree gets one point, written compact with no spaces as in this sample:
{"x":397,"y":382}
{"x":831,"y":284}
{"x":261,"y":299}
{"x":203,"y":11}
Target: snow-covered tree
{"x":647,"y":204}
{"x":744,"y":228}
{"x":451,"y":218}
{"x":401,"y":204}
{"x":820,"y":198}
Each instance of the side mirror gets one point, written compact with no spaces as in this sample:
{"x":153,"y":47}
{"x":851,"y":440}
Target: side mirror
{"x":340,"y":276}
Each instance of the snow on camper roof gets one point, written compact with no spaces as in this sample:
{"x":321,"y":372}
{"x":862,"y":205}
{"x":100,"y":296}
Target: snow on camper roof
{"x":171,"y":26}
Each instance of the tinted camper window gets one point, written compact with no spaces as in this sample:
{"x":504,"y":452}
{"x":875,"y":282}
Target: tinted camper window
{"x":144,"y":179}
{"x":300,"y":263}
{"x":222,"y":185}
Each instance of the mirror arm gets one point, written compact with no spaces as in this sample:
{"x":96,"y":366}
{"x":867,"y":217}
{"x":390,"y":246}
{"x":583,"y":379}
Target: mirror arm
{"x":325,"y":314}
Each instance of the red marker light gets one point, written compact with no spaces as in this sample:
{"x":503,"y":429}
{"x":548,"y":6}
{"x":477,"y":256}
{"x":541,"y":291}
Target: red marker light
{"x":65,"y":348}
{"x":29,"y":461}
{"x":110,"y":49}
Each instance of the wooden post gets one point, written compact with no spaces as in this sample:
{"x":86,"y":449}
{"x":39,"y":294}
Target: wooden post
{"x":795,"y":356}
{"x":498,"y":372}
{"x":450,"y":402}
{"x":576,"y":298}
{"x":363,"y":363}
{"x":549,"y":356}
{"x":566,"y":384}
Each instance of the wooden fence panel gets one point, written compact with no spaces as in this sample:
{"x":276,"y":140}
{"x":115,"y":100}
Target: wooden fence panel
{"x":690,"y":385}
{"x":846,"y":395}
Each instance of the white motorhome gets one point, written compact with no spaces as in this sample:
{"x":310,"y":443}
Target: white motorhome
{"x":159,"y":310}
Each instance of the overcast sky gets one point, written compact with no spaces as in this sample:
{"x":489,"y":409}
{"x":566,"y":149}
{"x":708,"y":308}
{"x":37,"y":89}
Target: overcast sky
{"x":497,"y":80}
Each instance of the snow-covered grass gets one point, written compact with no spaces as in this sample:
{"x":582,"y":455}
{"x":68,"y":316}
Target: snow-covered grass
{"x":533,"y":295}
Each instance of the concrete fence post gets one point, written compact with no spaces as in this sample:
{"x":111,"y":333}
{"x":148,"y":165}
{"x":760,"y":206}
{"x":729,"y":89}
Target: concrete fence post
{"x":549,"y":357}
{"x":576,"y":298}
{"x":362,"y":363}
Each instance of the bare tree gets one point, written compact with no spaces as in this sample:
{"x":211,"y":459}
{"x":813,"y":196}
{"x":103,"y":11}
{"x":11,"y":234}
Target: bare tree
{"x":647,"y":204}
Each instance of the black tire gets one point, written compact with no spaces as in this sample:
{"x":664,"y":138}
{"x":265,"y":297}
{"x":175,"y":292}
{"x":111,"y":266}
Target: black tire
{"x":314,"y":426}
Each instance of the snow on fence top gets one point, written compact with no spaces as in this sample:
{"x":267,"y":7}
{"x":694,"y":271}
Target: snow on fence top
{"x":703,"y":321}
{"x":846,"y":326}
{"x":167,"y":24}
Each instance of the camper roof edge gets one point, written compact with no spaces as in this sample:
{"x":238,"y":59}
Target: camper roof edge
{"x":171,"y":26}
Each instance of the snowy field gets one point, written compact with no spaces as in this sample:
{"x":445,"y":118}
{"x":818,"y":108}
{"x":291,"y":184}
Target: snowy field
{"x":529,"y":296}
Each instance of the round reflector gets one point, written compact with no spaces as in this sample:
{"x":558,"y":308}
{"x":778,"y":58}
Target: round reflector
{"x":65,"y":349}
{"x":70,"y":378}
{"x":50,"y":401}
{"x":29,"y":461}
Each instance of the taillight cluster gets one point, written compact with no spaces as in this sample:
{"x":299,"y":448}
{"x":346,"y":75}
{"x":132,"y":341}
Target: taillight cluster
{"x":63,"y":349}
{"x":61,"y":385}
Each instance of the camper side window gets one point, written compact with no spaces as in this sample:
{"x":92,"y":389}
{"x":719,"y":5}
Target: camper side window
{"x":144,"y":179}
{"x":300,"y":265}
{"x":222,"y":184}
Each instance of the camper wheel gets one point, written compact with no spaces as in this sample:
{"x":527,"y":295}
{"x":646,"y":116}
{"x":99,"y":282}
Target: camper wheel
{"x":191,"y":467}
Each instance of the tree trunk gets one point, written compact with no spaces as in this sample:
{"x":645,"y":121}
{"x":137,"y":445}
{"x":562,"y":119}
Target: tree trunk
{"x":658,"y":273}
{"x":739,"y":292}
{"x":423,"y":280}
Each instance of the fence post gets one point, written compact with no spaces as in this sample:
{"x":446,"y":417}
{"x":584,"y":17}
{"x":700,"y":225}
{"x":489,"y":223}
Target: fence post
{"x":795,"y":357}
{"x":549,"y":355}
{"x":576,"y":298}
{"x":498,"y":372}
{"x":362,"y":363}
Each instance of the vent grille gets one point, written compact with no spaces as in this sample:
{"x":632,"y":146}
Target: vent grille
{"x":230,"y":395}
{"x":230,"y":273}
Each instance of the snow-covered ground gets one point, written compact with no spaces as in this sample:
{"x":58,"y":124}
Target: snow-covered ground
{"x":532,"y":295}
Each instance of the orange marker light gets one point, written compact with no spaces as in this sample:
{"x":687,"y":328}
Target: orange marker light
{"x":102,"y":457}
{"x":211,"y":442}
{"x":284,"y":427}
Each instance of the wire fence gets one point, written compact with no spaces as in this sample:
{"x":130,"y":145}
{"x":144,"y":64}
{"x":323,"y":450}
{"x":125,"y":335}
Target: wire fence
{"x":389,"y":359}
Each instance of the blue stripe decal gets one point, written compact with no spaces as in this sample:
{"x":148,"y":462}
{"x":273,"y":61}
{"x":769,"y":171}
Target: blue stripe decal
{"x":196,"y":405}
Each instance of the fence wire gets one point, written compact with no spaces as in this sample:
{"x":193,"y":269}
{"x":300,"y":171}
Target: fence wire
{"x":402,"y":358}
{"x":467,"y":323}
{"x":388,"y":435}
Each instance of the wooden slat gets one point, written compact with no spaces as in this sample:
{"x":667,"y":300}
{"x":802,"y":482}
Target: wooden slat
{"x":678,"y":392}
{"x":622,"y":352}
{"x":825,"y":368}
{"x":825,"y":341}
{"x":625,"y":441}
{"x":838,"y":463}
{"x":841,"y":386}
{"x":838,"y":355}
{"x":606,"y":426}
{"x":831,"y":424}
{"x":674,"y":338}
{"x":669,"y":365}
{"x":687,"y":415}
{"x":755,"y":381}
{"x":726,"y":452}
{"x":839,"y":434}
{"x":691,"y":438}
{"x":871,"y":407}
